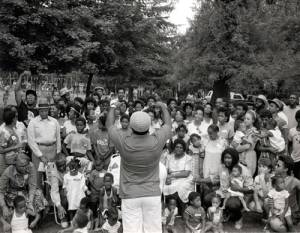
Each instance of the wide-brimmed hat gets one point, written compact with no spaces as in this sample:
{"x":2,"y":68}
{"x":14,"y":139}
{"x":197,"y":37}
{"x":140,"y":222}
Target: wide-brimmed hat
{"x":277,"y":102}
{"x":140,"y":121}
{"x":43,"y":103}
{"x":263,"y":98}
{"x":63,"y":91}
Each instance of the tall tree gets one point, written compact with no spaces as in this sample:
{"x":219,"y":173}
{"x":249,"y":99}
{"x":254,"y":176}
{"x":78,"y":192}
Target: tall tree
{"x":240,"y":44}
{"x":121,"y":38}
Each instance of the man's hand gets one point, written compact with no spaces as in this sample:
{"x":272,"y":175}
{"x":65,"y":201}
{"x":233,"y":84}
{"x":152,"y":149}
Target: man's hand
{"x":61,"y":212}
{"x":160,"y":104}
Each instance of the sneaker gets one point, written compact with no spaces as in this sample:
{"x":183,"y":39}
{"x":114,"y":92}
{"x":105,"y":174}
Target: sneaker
{"x":238,"y":224}
{"x":64,"y":225}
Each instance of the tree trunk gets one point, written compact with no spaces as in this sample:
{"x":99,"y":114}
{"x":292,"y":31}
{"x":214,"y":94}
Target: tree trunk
{"x":220,"y":89}
{"x":88,"y":85}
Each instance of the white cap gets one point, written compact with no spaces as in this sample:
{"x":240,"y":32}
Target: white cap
{"x":140,"y":121}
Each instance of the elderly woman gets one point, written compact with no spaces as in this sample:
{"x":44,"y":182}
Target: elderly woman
{"x":20,"y":179}
{"x":220,"y":183}
{"x":179,"y":181}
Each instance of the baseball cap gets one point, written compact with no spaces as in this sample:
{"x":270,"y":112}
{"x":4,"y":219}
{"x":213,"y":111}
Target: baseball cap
{"x":140,"y":122}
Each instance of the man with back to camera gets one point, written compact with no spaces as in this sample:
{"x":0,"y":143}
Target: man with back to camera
{"x":139,"y":179}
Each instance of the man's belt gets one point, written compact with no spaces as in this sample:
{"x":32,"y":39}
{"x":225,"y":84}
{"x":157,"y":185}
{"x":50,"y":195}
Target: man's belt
{"x":46,"y":143}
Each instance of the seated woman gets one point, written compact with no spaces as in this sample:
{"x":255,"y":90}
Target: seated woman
{"x":20,"y":179}
{"x":229,"y":159}
{"x":179,"y":182}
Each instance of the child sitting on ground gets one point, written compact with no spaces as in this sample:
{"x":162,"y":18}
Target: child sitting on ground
{"x":169,"y":215}
{"x":74,"y":187}
{"x":111,"y":225}
{"x":194,"y":216}
{"x":236,"y":179}
{"x":215,"y":216}
{"x":81,"y":224}
{"x":262,"y":184}
{"x":196,"y":150}
{"x":19,"y":221}
{"x":280,"y":210}
{"x":82,"y":211}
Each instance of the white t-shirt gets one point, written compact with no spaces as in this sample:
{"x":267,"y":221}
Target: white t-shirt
{"x":294,"y":136}
{"x":75,"y":188}
{"x":277,"y":141}
{"x":279,"y":201}
{"x":111,"y":229}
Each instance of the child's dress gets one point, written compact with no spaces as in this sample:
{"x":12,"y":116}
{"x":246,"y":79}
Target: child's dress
{"x":75,"y":187}
{"x":19,"y":224}
{"x":279,"y":199}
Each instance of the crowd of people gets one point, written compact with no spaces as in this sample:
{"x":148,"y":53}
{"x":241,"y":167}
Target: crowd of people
{"x":117,"y":165}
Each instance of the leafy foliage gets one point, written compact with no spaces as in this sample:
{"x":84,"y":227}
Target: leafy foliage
{"x":122,"y":38}
{"x":250,"y":45}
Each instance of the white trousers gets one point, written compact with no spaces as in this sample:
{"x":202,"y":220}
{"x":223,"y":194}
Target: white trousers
{"x":142,"y":215}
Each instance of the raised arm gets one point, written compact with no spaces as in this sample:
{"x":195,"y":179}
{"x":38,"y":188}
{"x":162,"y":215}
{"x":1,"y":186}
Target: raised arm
{"x":18,"y":90}
{"x":110,"y":119}
{"x":165,"y":113}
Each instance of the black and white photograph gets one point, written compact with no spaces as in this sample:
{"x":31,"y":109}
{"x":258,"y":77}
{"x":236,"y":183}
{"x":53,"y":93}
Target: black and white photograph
{"x":149,"y":116}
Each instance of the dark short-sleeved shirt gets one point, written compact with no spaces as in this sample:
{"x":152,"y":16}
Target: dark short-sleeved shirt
{"x":140,"y":155}
{"x":25,"y":113}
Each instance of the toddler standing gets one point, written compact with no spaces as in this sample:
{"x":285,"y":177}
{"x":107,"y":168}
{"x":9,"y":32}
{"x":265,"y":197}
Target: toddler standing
{"x":74,"y":186}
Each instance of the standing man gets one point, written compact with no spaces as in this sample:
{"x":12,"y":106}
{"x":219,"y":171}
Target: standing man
{"x":121,"y":96}
{"x":26,"y":109}
{"x":43,"y":138}
{"x":290,"y":111}
{"x":139,"y":176}
{"x":100,"y":91}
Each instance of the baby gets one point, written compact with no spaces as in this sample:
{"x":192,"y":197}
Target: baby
{"x":236,"y":179}
{"x":274,"y":134}
{"x":240,"y":129}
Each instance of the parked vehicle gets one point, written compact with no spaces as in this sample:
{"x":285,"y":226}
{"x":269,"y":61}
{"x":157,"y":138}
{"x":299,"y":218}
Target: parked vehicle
{"x":233,"y":96}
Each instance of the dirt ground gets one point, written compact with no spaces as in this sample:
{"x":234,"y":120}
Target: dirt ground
{"x":252,"y":223}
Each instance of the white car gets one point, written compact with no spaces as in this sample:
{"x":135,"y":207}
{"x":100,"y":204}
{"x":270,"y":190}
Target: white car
{"x":233,"y":96}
